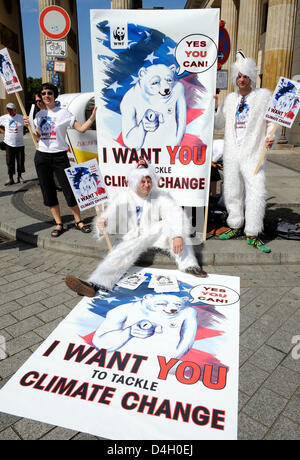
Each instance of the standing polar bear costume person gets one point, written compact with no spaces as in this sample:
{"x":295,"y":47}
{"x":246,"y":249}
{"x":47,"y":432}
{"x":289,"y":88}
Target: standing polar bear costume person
{"x":148,"y":218}
{"x":246,"y":135}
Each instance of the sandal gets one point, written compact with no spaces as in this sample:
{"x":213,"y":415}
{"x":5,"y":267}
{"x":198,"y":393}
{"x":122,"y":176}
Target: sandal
{"x":57,"y":232}
{"x":84,"y":229}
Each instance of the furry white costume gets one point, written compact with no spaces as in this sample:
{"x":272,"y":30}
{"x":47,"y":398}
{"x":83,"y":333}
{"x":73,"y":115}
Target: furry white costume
{"x":241,"y":187}
{"x":161,"y":221}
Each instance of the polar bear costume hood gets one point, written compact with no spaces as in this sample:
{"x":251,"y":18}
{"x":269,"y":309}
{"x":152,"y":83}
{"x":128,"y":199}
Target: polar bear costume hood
{"x":244,"y":65}
{"x":136,"y":174}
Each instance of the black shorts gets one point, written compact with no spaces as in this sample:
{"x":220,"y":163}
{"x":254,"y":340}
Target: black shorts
{"x":46,"y":165}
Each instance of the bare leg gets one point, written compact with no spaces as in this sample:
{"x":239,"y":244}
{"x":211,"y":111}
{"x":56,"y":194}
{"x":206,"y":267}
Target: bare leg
{"x":55,"y":211}
{"x":76,"y":213}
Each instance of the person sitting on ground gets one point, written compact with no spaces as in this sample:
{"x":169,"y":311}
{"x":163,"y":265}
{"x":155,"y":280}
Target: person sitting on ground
{"x":13,"y":124}
{"x":152,"y":219}
{"x":51,"y":157}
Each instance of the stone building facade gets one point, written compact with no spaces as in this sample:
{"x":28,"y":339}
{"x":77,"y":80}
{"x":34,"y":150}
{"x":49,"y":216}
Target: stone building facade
{"x":11,"y":37}
{"x":268,"y":31}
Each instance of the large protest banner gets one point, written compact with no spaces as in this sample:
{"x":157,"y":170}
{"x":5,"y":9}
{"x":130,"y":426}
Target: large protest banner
{"x":154,"y":80}
{"x":148,"y":360}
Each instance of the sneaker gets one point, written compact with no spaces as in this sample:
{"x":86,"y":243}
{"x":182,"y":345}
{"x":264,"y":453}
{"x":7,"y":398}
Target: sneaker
{"x":9,"y":182}
{"x":196,"y":271}
{"x":231,"y":233}
{"x":258,"y":244}
{"x":81,"y":287}
{"x":20,"y":180}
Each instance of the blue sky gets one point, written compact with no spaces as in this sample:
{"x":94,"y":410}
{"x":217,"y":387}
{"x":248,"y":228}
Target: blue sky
{"x":30,"y":21}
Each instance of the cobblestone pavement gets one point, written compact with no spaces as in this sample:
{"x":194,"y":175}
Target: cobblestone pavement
{"x":34,"y":300}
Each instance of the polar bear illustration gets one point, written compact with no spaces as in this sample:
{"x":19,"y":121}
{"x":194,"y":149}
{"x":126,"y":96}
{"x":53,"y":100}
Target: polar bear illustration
{"x":154,"y":110}
{"x":160,"y":324}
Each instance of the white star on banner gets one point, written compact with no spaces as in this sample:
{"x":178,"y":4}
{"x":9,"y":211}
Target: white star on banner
{"x":115,"y":86}
{"x":111,"y":299}
{"x":171,"y":51}
{"x":151,"y":57}
{"x":134,"y":80}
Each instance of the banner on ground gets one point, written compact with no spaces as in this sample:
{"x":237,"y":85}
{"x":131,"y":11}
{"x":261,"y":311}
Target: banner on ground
{"x":285,"y":103}
{"x":154,"y":81}
{"x":135,"y":363}
{"x":87,"y":184}
{"x":8,"y":74}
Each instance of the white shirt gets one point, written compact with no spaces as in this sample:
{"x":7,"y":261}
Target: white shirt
{"x":14,"y":130}
{"x":139,"y":207}
{"x":53,"y":125}
{"x":242,"y":117}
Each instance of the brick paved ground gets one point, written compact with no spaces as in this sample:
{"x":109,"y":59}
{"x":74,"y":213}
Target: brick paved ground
{"x":34,"y":300}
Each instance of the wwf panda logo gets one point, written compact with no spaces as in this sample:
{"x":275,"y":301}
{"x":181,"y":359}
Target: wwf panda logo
{"x":119,"y":33}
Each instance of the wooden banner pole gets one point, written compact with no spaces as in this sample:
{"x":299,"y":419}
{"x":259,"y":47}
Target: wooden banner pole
{"x":104,"y":232}
{"x":262,"y":157}
{"x":205,"y":223}
{"x":25,"y":115}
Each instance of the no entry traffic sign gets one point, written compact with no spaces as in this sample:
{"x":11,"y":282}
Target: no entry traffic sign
{"x":55,"y":22}
{"x":224,"y":46}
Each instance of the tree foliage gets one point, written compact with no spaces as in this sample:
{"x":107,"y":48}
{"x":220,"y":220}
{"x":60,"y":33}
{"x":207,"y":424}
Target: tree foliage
{"x":33,"y":85}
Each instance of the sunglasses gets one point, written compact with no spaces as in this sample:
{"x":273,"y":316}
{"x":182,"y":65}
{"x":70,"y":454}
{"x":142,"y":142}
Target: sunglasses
{"x":47,"y":93}
{"x":38,"y":101}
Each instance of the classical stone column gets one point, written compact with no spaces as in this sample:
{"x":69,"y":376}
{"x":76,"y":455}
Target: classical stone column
{"x":229,"y":14}
{"x":124,"y":4}
{"x":249,"y":27}
{"x":279,"y":41}
{"x":279,"y":45}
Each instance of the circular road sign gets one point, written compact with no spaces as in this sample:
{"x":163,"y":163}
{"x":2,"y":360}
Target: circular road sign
{"x":224,"y":46}
{"x":55,"y":22}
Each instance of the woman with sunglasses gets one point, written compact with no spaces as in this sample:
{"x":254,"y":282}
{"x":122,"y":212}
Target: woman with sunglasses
{"x":51,"y":157}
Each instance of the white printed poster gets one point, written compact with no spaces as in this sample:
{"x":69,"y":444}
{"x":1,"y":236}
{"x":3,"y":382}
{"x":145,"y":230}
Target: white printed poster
{"x":138,"y":364}
{"x":8,"y":74}
{"x":87,"y":184}
{"x":154,"y":80}
{"x":285,"y":103}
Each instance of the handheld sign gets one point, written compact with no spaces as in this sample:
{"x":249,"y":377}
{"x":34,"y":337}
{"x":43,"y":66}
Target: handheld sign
{"x":283,"y":108}
{"x":285,"y":103}
{"x":88,"y":187}
{"x":87,"y":184}
{"x":8,"y":73}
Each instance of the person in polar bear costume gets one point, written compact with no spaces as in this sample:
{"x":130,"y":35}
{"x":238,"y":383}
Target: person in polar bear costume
{"x":154,"y":110}
{"x":246,"y":135}
{"x":147,"y":217}
{"x":161,"y":324}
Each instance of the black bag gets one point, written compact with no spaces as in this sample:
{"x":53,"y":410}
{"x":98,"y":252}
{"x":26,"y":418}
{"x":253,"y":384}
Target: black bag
{"x":2,"y":145}
{"x":288,"y":231}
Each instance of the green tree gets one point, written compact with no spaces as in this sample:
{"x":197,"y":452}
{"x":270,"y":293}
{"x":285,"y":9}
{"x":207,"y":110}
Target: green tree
{"x":33,"y":85}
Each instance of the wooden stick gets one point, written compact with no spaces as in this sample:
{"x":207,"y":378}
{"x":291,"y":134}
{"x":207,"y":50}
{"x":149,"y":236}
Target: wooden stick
{"x":104,"y":232}
{"x":25,"y":115}
{"x":205,"y":223}
{"x":261,"y":159}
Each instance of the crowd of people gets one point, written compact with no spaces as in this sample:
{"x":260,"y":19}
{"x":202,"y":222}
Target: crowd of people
{"x":246,"y":133}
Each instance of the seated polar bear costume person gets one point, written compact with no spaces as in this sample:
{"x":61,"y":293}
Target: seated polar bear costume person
{"x":154,"y":110}
{"x":149,"y":218}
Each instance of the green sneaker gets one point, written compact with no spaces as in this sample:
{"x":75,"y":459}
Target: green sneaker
{"x":231,"y":233}
{"x":258,"y":244}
